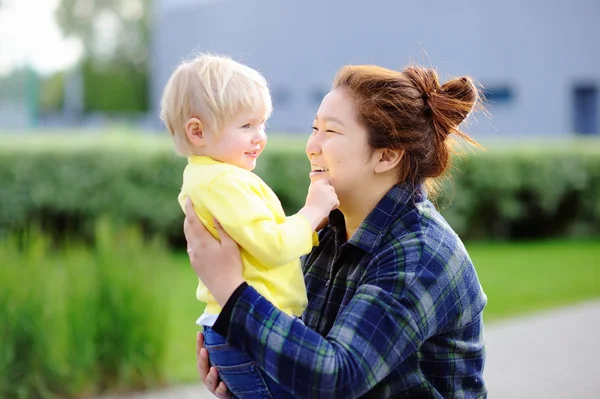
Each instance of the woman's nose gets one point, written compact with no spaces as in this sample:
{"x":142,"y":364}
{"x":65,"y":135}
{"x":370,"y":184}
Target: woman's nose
{"x":313,"y":145}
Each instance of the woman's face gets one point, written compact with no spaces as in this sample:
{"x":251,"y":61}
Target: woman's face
{"x":338,"y":149}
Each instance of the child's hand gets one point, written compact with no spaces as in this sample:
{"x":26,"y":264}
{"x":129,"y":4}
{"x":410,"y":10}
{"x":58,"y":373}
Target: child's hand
{"x":322,"y":196}
{"x":321,"y":200}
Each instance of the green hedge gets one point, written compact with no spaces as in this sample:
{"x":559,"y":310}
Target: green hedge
{"x":522,"y":194}
{"x":65,"y":184}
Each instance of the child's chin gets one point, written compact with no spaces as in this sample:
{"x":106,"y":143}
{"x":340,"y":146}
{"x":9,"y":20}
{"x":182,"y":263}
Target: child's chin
{"x":249,"y":166}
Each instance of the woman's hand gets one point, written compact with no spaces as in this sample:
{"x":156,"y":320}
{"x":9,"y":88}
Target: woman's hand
{"x":218,"y":264}
{"x":209,"y":375}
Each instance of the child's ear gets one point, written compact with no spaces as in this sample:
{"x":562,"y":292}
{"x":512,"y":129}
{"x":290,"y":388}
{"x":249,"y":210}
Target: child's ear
{"x":194,"y":131}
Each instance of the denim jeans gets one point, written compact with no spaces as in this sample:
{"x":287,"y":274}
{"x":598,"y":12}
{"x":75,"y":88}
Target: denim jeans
{"x":241,"y":375}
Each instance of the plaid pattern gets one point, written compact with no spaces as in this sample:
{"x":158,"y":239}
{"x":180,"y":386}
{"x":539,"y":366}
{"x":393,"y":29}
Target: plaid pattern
{"x":395,"y":312}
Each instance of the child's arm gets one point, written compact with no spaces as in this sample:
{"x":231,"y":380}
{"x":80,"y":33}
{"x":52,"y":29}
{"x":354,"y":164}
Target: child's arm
{"x":239,"y":207}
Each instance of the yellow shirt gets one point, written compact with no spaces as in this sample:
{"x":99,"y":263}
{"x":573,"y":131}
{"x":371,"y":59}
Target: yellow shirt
{"x":250,"y":212}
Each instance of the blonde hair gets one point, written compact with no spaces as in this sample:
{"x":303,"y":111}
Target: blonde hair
{"x":215,"y":89}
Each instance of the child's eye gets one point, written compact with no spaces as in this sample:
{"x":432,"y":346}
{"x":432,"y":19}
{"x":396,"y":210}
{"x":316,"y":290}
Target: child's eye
{"x":247,"y":126}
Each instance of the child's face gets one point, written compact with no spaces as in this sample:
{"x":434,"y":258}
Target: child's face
{"x":240,"y":142}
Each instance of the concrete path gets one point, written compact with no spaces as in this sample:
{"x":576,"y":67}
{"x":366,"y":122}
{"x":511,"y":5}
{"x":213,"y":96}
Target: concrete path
{"x":554,"y":354}
{"x":549,"y":355}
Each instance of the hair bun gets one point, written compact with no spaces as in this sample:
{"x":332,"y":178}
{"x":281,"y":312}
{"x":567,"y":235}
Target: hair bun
{"x":447,"y":105}
{"x":457,"y":99}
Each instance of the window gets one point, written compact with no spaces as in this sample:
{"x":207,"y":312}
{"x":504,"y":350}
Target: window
{"x":585,"y":109}
{"x":501,"y":94}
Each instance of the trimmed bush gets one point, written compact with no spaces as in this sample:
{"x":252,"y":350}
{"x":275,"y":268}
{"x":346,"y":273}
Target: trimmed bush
{"x":81,"y":321}
{"x":65,"y":185}
{"x":521,"y":194}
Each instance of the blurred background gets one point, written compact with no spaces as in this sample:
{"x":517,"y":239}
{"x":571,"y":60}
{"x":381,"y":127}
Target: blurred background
{"x":96,"y":293}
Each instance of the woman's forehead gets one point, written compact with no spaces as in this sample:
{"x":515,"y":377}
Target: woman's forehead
{"x":336,"y":106}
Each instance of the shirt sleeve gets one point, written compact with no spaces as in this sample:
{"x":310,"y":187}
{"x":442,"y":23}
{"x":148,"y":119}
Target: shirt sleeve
{"x":239,"y":206}
{"x":382,"y":325}
{"x":315,"y":237}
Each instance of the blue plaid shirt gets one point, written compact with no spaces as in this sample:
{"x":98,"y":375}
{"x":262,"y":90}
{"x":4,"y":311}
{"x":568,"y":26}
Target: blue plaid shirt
{"x":394,"y":312}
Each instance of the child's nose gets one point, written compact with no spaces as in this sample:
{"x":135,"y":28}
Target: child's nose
{"x":260,"y":136}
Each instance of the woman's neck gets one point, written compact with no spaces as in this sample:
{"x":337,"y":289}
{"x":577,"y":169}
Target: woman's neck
{"x":356,"y":210}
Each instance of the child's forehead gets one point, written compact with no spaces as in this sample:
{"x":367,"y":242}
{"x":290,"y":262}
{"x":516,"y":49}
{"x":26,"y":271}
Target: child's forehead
{"x":257,"y":113}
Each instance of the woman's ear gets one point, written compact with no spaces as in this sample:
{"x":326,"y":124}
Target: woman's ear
{"x":194,"y":130}
{"x":388,"y":159}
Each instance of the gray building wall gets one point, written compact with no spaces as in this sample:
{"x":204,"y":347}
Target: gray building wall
{"x":536,"y":49}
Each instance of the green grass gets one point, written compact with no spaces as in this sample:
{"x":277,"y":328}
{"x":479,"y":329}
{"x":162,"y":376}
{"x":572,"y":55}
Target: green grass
{"x":518,"y":278}
{"x":185,"y":309}
{"x":122,"y":315}
{"x":82,"y":320}
{"x":527,"y":277}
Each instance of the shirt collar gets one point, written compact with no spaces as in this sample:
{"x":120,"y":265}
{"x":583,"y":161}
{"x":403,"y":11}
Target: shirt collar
{"x":201,"y":160}
{"x":372,"y":230}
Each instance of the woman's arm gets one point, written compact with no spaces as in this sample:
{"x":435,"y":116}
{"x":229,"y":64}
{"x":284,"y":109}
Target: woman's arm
{"x":374,"y":334}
